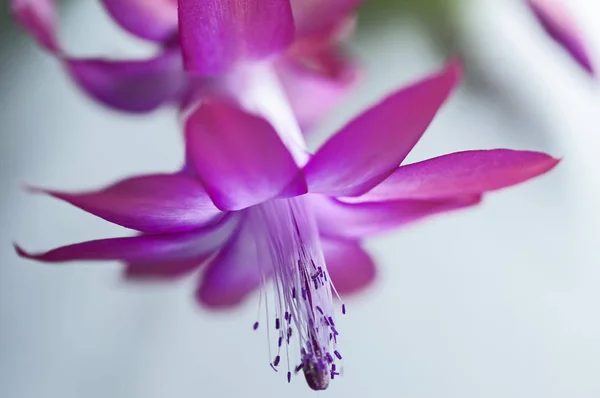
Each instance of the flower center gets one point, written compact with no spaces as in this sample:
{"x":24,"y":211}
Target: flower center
{"x":290,"y":245}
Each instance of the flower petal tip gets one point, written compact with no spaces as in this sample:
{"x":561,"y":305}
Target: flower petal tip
{"x":22,"y":252}
{"x":454,"y":69}
{"x":556,"y":20}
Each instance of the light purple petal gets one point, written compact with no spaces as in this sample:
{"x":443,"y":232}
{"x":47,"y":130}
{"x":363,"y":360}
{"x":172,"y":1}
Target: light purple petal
{"x":234,"y":273}
{"x":461,"y":173}
{"x":373,"y":145}
{"x":152,"y":203}
{"x":154,"y":249}
{"x":148,"y":19}
{"x":556,"y":20}
{"x":131,"y":85}
{"x":360,"y":220}
{"x":38,"y":17}
{"x":350,"y":268}
{"x":238,"y":156}
{"x":216,"y":34}
{"x":318,"y":18}
{"x":316,"y":82}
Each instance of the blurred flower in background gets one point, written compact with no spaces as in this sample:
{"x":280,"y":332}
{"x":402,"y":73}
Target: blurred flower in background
{"x":443,"y":16}
{"x":315,"y":66}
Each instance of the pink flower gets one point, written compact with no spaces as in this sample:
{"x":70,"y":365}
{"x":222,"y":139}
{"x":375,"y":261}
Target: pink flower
{"x":556,"y":20}
{"x":302,"y":40}
{"x":251,"y":205}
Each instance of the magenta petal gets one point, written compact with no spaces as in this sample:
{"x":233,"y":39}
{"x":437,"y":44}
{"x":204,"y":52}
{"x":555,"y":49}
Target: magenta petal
{"x":166,"y":270}
{"x":556,"y":20}
{"x":38,"y":17}
{"x":238,"y":156}
{"x":318,"y":18}
{"x":234,"y":273}
{"x":148,"y":19}
{"x":461,"y":173}
{"x":145,"y":249}
{"x":152,"y":203}
{"x":135,"y":86}
{"x":216,"y":34}
{"x":360,"y":220}
{"x":316,"y":82}
{"x":372,"y":146}
{"x":350,"y":268}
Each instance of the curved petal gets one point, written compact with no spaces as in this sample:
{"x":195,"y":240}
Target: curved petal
{"x":151,"y":203}
{"x":460,"y":174}
{"x":131,"y":85}
{"x":373,"y":145}
{"x":318,"y":18}
{"x":351,"y":269}
{"x":38,"y":17}
{"x":148,"y":19}
{"x":234,"y":273}
{"x":216,"y":34}
{"x":316,"y":82}
{"x":556,"y":20}
{"x":164,"y":270}
{"x":360,"y":220}
{"x":238,"y":156}
{"x":145,"y":249}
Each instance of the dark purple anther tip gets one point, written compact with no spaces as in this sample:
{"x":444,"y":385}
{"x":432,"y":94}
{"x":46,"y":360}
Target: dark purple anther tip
{"x":329,"y":357}
{"x":299,"y":367}
{"x":320,"y":310}
{"x":337,"y":354}
{"x":331,"y":321}
{"x":344,"y":309}
{"x":255,"y":326}
{"x":276,"y":361}
{"x":277,"y":323}
{"x":289,"y":377}
{"x":293,"y":292}
{"x":280,"y":341}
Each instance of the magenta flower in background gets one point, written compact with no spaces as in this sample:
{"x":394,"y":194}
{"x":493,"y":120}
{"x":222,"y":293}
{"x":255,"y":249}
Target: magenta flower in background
{"x":556,"y":20}
{"x":304,"y":44}
{"x":250,"y":205}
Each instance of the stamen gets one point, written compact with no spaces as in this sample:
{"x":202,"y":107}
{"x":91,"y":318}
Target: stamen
{"x":290,"y":238}
{"x":255,"y":326}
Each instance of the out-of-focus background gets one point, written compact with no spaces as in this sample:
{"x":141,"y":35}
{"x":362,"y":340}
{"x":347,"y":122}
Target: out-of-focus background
{"x":497,"y":301}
